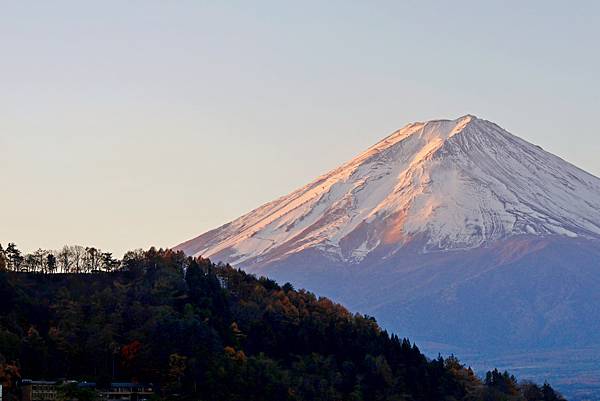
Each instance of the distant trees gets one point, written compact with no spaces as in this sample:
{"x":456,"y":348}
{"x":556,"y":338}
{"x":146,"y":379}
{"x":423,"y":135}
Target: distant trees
{"x":69,"y":259}
{"x":533,"y":392}
{"x":3,"y":261}
{"x":504,"y":382}
{"x":108,"y":262}
{"x":51,"y":263}
{"x":12,"y":257}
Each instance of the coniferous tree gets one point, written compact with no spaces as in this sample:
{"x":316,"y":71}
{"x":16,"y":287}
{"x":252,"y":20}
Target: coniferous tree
{"x":13,"y":254}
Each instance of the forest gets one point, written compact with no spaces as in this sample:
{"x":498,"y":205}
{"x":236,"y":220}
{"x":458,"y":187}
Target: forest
{"x":209,"y":332}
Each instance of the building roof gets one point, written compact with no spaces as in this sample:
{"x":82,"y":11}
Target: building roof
{"x":129,"y":385}
{"x":41,"y":382}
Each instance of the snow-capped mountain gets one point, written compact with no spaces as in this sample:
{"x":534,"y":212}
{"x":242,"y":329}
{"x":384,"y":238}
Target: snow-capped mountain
{"x":456,"y":234}
{"x":444,"y":184}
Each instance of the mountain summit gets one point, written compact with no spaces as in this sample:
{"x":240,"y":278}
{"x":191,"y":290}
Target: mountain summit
{"x":438,"y":185}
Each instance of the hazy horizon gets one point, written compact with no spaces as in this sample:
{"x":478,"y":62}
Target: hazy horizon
{"x":126,"y":125}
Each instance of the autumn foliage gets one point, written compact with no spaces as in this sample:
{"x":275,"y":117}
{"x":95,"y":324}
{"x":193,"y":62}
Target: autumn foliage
{"x":200,"y":331}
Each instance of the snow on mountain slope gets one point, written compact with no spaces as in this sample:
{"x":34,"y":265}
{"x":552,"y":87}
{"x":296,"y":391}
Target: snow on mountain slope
{"x":450,"y":184}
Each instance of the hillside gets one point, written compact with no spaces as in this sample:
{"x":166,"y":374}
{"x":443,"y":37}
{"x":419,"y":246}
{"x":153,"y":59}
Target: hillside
{"x":200,"y":331}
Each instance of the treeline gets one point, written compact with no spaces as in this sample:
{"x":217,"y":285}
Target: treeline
{"x":200,"y":331}
{"x":69,"y":259}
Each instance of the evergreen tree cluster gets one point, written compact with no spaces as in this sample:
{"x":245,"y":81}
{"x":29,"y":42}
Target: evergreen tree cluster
{"x":200,"y":331}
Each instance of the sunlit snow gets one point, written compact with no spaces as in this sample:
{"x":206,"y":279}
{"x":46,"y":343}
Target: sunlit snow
{"x":457,"y":183}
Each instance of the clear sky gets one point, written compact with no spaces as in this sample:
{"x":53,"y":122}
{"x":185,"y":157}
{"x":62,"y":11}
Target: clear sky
{"x":125,"y":124}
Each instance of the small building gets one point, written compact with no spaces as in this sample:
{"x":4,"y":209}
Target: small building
{"x":38,"y":390}
{"x":41,"y":390}
{"x":127,"y":392}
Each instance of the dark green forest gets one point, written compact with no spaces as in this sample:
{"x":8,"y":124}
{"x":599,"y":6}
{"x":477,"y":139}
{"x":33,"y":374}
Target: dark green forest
{"x":200,"y":331}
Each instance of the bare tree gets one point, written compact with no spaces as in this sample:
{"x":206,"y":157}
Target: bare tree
{"x":39,"y":259}
{"x":65,"y":261}
{"x":78,"y":255}
{"x":92,"y":259}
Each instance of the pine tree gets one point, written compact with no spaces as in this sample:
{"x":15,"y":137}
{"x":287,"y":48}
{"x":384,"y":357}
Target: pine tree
{"x":14,"y":257}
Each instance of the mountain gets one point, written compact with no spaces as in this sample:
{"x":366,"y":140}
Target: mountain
{"x":449,"y":185}
{"x":453,"y":232}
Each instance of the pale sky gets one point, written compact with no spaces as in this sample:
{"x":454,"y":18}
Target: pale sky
{"x":125,"y":124}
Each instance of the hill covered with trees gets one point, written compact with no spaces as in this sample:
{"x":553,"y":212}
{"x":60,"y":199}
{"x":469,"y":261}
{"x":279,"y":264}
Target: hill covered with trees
{"x":200,"y":331}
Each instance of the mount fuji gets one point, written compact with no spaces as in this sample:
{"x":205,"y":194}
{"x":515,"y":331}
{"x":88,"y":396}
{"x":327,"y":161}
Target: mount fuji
{"x":452,"y":232}
{"x":450,"y":185}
